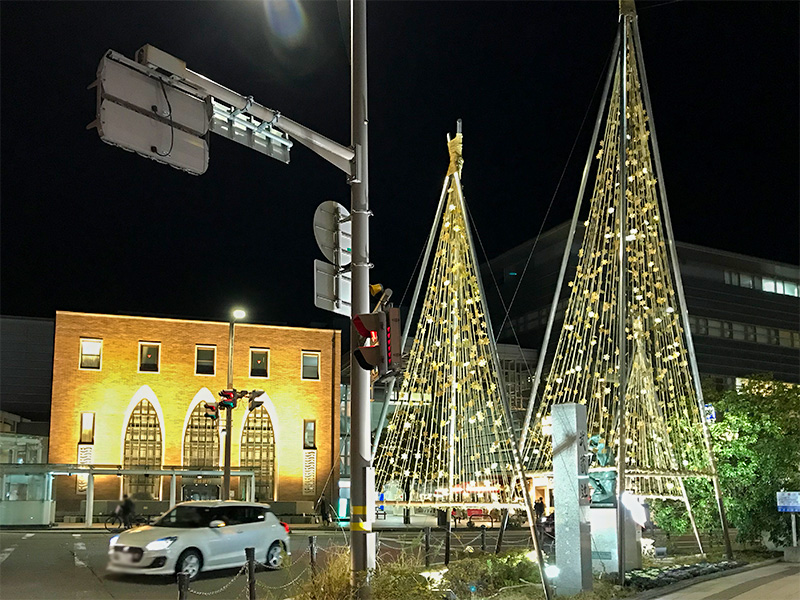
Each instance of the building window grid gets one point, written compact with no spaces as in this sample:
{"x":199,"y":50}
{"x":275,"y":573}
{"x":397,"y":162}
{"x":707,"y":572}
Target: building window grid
{"x":201,"y":441}
{"x":309,"y":365}
{"x":149,"y":357}
{"x":765,"y":284}
{"x":91,"y":354}
{"x":259,"y":363}
{"x":142,"y":449}
{"x":744,"y":332}
{"x":258,"y":451}
{"x":205,"y":361}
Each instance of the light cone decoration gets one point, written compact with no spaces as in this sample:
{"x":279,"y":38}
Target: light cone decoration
{"x":449,"y":441}
{"x":663,"y":424}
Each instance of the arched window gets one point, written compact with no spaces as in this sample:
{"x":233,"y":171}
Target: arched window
{"x":201,"y":440}
{"x":257,"y":451}
{"x":142,"y":449}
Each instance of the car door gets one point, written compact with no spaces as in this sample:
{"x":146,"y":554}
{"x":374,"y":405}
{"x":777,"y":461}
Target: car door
{"x":254,"y":530}
{"x":225,"y":544}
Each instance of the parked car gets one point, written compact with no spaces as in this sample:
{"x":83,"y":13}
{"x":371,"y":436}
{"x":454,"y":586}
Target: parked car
{"x":201,"y":536}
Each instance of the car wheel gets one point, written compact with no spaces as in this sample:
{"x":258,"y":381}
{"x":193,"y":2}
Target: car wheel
{"x":275,"y":556}
{"x":189,"y":562}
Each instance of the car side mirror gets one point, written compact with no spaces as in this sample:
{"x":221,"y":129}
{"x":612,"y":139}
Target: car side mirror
{"x":216,"y":523}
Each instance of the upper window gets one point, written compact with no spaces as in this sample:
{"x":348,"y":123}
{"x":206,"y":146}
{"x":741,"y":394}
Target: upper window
{"x":309,"y":434}
{"x":310,"y":365}
{"x":205,"y":360}
{"x":149,"y":357}
{"x":259,"y":362}
{"x":91,"y":354}
{"x":87,"y":428}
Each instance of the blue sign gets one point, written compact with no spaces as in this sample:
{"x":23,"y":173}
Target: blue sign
{"x":788,"y":501}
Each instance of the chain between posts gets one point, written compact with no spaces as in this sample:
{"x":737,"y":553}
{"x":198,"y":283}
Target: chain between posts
{"x":223,"y":588}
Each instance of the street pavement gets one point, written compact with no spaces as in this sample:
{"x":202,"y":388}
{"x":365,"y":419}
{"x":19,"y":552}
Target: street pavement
{"x":776,"y":581}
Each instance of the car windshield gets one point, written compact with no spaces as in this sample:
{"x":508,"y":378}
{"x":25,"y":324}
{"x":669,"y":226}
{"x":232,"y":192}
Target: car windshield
{"x":186,"y":517}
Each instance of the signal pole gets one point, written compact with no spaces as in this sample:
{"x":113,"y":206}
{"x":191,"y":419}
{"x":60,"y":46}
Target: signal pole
{"x":226,"y":472}
{"x":362,"y":541}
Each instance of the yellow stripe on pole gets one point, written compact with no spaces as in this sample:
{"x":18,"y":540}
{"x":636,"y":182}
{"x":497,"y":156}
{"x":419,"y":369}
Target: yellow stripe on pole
{"x":360,"y":526}
{"x":359,"y":510}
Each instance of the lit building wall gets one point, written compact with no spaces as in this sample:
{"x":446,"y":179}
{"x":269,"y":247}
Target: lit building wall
{"x":111,"y":385}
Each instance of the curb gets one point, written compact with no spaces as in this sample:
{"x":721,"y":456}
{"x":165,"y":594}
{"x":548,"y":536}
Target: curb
{"x":679,"y":585}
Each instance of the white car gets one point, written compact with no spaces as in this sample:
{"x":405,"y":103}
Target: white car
{"x":201,"y":536}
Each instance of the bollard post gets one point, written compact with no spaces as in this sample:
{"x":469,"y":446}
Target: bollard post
{"x":503,"y":525}
{"x":312,"y":550}
{"x":483,"y":538}
{"x":250,"y":553}
{"x":447,"y":532}
{"x":427,"y":546}
{"x":183,"y":586}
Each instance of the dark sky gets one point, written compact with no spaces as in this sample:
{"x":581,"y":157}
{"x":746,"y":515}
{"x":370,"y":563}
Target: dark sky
{"x":89,"y":227}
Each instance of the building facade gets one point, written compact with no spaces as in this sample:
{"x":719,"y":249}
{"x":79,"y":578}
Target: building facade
{"x":744,"y":312}
{"x":131,"y":392}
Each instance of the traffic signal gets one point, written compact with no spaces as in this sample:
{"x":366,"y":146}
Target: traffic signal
{"x":211,"y":410}
{"x":372,"y":327}
{"x":228,"y":399}
{"x":393,"y":337}
{"x":255,"y":400}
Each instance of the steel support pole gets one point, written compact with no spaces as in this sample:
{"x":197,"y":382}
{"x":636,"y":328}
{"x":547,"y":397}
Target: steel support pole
{"x":622,"y":308}
{"x":226,"y":474}
{"x":362,"y":550}
{"x":673,"y":256}
{"x":565,"y":259}
{"x":172,"y":490}
{"x":89,"y":500}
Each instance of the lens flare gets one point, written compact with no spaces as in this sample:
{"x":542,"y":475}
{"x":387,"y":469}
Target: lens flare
{"x":287,"y":20}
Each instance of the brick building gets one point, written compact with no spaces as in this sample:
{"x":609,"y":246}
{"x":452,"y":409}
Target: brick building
{"x":131,"y":392}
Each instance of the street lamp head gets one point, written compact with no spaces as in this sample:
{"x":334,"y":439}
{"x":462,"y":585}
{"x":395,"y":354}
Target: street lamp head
{"x":238,"y":314}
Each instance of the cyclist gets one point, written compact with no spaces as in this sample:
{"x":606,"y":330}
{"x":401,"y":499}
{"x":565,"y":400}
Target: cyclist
{"x":127,"y":511}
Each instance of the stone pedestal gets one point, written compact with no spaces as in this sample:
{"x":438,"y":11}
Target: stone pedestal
{"x":571,"y":494}
{"x":604,"y":541}
{"x":791,"y":554}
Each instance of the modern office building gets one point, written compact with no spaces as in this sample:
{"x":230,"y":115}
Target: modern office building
{"x":744,"y":312}
{"x":131,"y":392}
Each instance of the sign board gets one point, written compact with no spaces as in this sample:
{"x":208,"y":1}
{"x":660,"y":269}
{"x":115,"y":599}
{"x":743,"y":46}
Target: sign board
{"x":788,"y":501}
{"x":332,"y":232}
{"x":332,"y":288}
{"x":145,"y":112}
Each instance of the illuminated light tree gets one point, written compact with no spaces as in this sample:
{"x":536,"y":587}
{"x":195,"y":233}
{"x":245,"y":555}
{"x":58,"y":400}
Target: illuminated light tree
{"x":450,"y":441}
{"x":625,"y":349}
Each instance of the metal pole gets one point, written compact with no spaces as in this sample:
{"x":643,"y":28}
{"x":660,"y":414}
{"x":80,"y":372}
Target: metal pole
{"x":183,"y":586}
{"x":567,"y":249}
{"x":250,"y":553}
{"x":512,"y":436}
{"x":448,"y":531}
{"x":172,"y":490}
{"x":226,"y":476}
{"x":312,"y":552}
{"x":428,"y":545}
{"x":362,"y":551}
{"x":673,"y":255}
{"x":483,"y":538}
{"x":691,"y":517}
{"x":503,"y":525}
{"x":89,"y":499}
{"x":622,"y":292}
{"x":794,"y":530}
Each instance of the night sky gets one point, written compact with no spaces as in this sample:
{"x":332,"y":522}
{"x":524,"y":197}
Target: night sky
{"x":92,"y":228}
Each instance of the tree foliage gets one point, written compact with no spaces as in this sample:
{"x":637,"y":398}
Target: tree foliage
{"x":756,"y":441}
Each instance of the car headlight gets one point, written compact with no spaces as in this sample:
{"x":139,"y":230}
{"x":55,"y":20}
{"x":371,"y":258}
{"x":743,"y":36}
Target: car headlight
{"x":161,"y":544}
{"x":113,"y":540}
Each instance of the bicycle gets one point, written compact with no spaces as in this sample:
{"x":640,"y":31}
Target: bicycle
{"x":115,"y":523}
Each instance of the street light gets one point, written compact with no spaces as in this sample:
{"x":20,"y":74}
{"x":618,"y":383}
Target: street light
{"x":226,"y":477}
